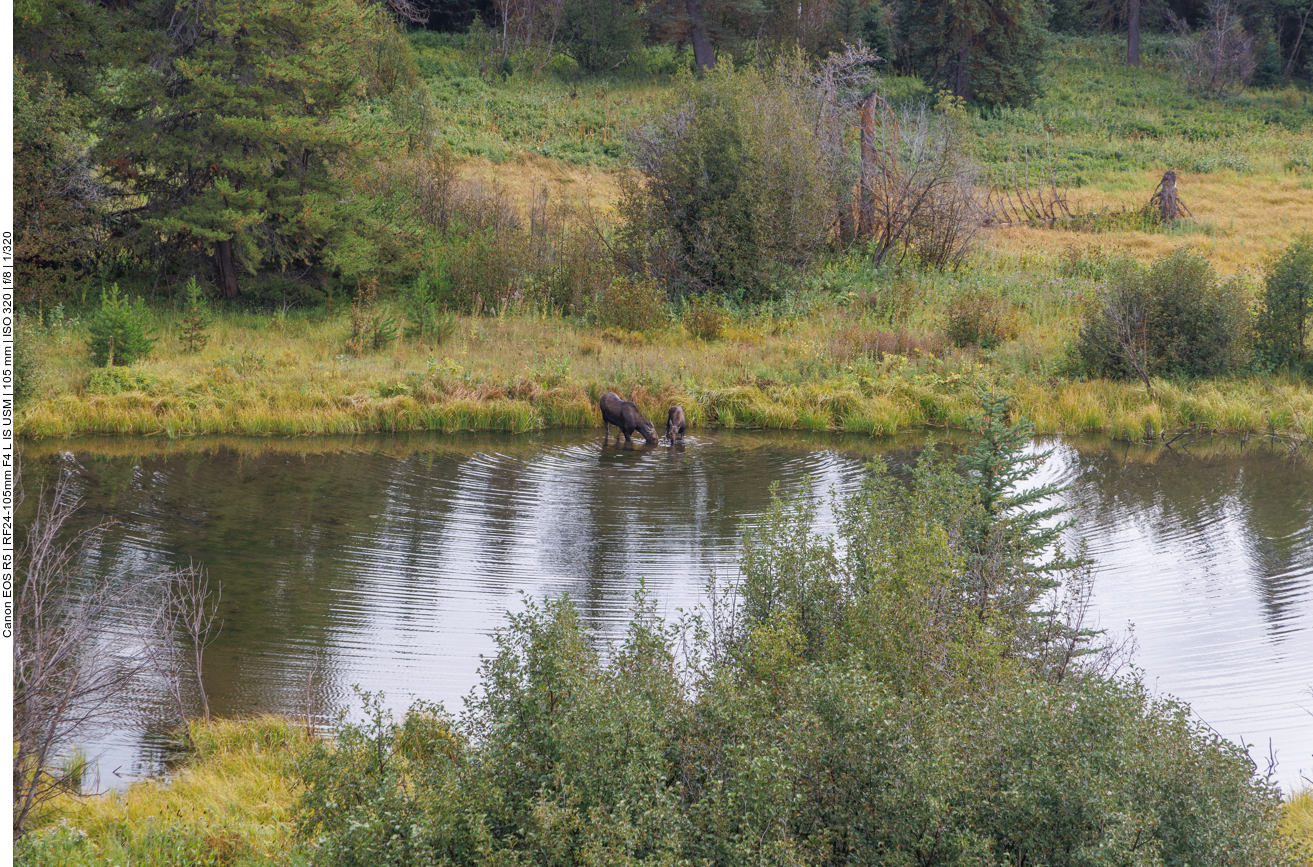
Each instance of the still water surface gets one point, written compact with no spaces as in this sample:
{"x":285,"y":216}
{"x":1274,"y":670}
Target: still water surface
{"x":386,"y":563}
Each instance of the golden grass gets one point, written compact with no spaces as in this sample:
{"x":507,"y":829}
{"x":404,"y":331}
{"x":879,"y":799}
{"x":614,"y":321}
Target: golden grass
{"x":230,"y":803}
{"x":528,"y":174}
{"x":525,"y":372}
{"x":1239,"y":219}
{"x":1247,"y":217}
{"x":1297,"y":822}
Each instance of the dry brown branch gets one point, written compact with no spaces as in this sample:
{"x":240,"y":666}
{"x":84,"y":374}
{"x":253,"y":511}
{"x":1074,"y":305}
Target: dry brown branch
{"x":1218,"y":60}
{"x":407,"y":10}
{"x":67,"y":674}
{"x":917,"y":188}
{"x":1130,"y":320}
{"x":1019,"y":200}
{"x":185,"y":625}
{"x":63,"y":680}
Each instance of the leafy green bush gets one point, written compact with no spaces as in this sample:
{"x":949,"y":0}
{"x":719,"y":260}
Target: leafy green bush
{"x":372,"y":329}
{"x":119,"y":330}
{"x":1174,"y":317}
{"x":572,"y":763}
{"x":1282,"y":328}
{"x":117,"y":380}
{"x":28,"y":363}
{"x":599,"y":34}
{"x":981,"y":319}
{"x":632,"y":305}
{"x":739,"y":183}
{"x":704,"y":317}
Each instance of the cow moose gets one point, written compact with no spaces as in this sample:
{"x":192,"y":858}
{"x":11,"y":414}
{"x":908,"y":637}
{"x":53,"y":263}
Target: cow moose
{"x":624,"y":414}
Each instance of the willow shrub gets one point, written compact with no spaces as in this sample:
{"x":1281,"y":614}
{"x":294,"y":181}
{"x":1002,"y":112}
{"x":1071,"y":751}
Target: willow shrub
{"x":855,"y":706}
{"x":1175,"y":316}
{"x":739,"y":184}
{"x":1284,"y":320}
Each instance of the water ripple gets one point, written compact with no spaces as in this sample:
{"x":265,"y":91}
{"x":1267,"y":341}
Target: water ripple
{"x":392,"y":572}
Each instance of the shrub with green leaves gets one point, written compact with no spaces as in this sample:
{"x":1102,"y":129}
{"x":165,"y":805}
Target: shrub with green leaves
{"x":1283,"y":325}
{"x":981,"y":319}
{"x":632,"y":305}
{"x":28,"y":361}
{"x":705,"y":317}
{"x":739,"y":184}
{"x":372,"y":329}
{"x":1174,"y":318}
{"x":119,"y":330}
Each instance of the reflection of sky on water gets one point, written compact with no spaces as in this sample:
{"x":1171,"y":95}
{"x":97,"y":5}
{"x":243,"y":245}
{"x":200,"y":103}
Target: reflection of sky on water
{"x":583,"y":520}
{"x":1212,"y":560}
{"x":391,"y":572}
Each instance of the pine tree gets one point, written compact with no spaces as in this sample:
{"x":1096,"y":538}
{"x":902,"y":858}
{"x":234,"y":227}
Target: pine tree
{"x":987,"y":51}
{"x":240,"y":130}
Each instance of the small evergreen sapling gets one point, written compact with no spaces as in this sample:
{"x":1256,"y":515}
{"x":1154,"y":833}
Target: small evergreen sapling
{"x":195,"y":319}
{"x":1015,"y":529}
{"x":1014,"y":555}
{"x":119,"y":331}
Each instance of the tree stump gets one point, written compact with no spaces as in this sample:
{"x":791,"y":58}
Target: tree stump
{"x":1165,"y":202}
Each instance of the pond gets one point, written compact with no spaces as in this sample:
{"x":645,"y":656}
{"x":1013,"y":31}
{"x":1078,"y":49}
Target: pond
{"x":387,"y":562}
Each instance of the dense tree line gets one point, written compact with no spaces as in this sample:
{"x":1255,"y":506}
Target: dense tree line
{"x":165,"y":139}
{"x":226,"y":137}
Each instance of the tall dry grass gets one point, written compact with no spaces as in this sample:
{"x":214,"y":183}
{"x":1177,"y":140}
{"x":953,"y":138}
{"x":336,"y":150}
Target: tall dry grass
{"x":229,"y":803}
{"x":832,"y":368}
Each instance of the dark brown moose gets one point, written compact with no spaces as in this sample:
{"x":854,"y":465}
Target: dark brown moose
{"x":624,"y":414}
{"x":675,"y":424}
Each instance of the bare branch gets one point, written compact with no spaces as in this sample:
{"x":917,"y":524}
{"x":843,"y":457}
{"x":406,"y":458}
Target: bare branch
{"x":66,"y":676}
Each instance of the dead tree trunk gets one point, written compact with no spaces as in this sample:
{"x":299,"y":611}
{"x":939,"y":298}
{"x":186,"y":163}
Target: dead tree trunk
{"x":962,"y":76}
{"x":1133,"y":34}
{"x":866,"y":200}
{"x":703,"y":56}
{"x":226,"y":266}
{"x":1165,"y":202}
{"x":1294,"y":51}
{"x":831,"y":121}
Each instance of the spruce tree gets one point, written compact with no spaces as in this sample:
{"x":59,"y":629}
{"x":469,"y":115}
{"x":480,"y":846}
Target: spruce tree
{"x":1008,"y":541}
{"x":986,"y":51}
{"x":239,"y":133}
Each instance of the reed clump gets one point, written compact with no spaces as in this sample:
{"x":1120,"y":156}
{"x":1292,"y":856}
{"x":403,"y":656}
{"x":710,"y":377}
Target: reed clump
{"x":1297,"y":821}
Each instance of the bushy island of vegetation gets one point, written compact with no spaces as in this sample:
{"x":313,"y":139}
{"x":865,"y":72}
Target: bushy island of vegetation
{"x":917,"y":689}
{"x":278,"y":218}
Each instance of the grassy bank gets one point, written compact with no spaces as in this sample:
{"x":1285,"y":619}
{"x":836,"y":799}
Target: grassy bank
{"x":230,"y":802}
{"x":836,"y":364}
